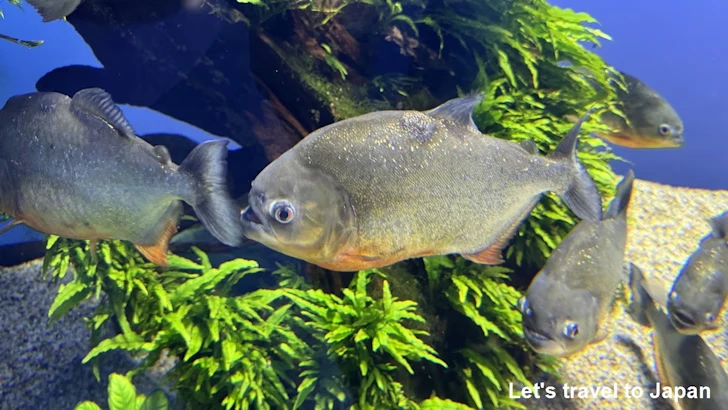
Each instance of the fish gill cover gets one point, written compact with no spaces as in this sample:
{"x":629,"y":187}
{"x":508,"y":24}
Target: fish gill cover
{"x":438,"y":332}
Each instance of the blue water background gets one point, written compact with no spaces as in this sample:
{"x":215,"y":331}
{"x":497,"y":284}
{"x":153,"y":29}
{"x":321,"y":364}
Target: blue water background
{"x":674,"y":47}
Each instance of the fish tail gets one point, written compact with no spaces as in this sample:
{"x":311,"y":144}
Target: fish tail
{"x":212,"y":203}
{"x":641,"y":300}
{"x":620,"y":203}
{"x":581,"y":196}
{"x":720,"y":226}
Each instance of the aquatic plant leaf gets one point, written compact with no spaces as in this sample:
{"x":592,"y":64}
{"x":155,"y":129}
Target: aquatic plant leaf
{"x":304,"y":390}
{"x":69,"y":296}
{"x":129,"y":342}
{"x":156,"y":401}
{"x":122,"y":394}
{"x":436,"y":403}
{"x":87,"y":405}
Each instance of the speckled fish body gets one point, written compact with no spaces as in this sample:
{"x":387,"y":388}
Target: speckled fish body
{"x":74,"y":168}
{"x":392,"y":185}
{"x":569,"y":300}
{"x":698,"y":295}
{"x":682,"y":360}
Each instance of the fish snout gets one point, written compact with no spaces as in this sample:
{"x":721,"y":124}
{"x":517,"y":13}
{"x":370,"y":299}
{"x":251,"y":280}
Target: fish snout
{"x":249,"y":215}
{"x":677,"y":140}
{"x":683,"y":320}
{"x":541,"y":343}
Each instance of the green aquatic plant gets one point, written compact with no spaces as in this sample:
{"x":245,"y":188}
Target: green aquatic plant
{"x":367,"y":339}
{"x":281,"y":347}
{"x":486,"y":360}
{"x":123,"y":396}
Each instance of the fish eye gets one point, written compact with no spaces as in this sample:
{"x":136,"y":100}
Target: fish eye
{"x":571,"y":330}
{"x":709,"y":317}
{"x":283,"y":211}
{"x":665,"y":129}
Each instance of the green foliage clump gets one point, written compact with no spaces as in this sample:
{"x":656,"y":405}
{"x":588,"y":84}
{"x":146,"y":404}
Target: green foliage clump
{"x":493,"y":337}
{"x":123,"y":396}
{"x":280,"y":348}
{"x":367,"y":339}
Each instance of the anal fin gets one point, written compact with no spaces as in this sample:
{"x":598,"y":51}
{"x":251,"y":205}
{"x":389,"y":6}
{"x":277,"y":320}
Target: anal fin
{"x":492,"y":255}
{"x":156,"y":250}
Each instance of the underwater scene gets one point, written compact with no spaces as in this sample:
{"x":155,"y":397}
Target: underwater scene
{"x":375,"y":204}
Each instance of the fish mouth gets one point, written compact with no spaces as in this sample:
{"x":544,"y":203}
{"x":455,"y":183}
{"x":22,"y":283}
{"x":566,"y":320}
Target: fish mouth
{"x":683,"y":321}
{"x":543,"y":344}
{"x":678,"y":141}
{"x":249,"y":215}
{"x":254,"y":226}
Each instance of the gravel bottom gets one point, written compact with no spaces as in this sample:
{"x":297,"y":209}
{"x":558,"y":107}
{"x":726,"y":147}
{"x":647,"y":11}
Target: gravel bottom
{"x":40,"y":364}
{"x":666,"y":225}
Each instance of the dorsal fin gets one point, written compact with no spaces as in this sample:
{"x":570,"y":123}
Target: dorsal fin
{"x":162,"y":154}
{"x":620,"y":203}
{"x":459,"y":110}
{"x":99,"y":103}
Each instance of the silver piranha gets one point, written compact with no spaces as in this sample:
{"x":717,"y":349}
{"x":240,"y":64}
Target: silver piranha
{"x":699,"y":292}
{"x":682,"y":360}
{"x":74,"y":167}
{"x":568,"y":302}
{"x":392,"y":185}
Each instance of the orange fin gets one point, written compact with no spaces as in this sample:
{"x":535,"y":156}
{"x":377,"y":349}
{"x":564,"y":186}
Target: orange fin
{"x":488,"y":256}
{"x":157,"y":252}
{"x":492,"y":254}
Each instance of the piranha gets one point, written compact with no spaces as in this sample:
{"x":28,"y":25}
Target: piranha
{"x":699,"y":292}
{"x":682,"y":360}
{"x":653,"y":122}
{"x":568,"y":302}
{"x":74,"y":167}
{"x":387,"y":186}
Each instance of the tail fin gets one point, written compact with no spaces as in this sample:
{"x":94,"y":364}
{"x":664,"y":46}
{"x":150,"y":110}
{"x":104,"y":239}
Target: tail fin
{"x":54,"y":9}
{"x":641,"y":299}
{"x":581,"y":196}
{"x":207,"y":165}
{"x":620,"y":203}
{"x":719,"y":224}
